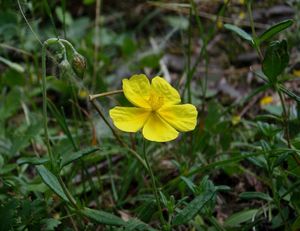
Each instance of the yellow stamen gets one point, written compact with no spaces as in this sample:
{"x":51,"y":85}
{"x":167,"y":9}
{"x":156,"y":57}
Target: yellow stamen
{"x":156,"y":101}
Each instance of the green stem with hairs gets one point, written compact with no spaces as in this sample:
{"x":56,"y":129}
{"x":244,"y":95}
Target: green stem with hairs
{"x":166,"y":226}
{"x":116,"y":135}
{"x":45,"y":118}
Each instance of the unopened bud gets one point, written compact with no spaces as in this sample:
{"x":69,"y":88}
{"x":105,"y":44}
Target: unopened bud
{"x":64,"y":65}
{"x":78,"y":64}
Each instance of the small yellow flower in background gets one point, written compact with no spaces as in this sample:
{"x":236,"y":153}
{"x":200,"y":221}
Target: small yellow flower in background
{"x":235,"y":119}
{"x":296,"y":73}
{"x":219,"y":23}
{"x":157,"y":110}
{"x":82,"y":93}
{"x":266,"y":100}
{"x":242,"y":15}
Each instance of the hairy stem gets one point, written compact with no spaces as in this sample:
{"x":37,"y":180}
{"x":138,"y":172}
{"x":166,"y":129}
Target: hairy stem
{"x":154,"y":186}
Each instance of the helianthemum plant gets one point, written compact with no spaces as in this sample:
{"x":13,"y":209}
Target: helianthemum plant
{"x":157,"y":110}
{"x":158,"y":113}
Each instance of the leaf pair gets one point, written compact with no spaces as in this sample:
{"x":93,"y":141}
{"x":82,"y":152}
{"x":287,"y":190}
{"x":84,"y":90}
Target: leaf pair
{"x":266,"y":35}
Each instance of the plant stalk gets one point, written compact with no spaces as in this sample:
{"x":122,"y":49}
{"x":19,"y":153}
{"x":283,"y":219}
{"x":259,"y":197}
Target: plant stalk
{"x":154,"y":186}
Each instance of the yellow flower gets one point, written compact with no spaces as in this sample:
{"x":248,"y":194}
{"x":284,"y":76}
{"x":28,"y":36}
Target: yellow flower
{"x":82,"y":93}
{"x":266,"y":100}
{"x":219,"y":23}
{"x":235,"y":119}
{"x":296,"y":73}
{"x":157,"y":110}
{"x":242,"y":15}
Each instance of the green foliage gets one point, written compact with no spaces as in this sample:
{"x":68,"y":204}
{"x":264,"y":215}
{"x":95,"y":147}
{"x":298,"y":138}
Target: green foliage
{"x":207,"y":193}
{"x":276,"y":60}
{"x":274,"y":30}
{"x":238,"y":170}
{"x":51,"y":181}
{"x":237,"y":219}
{"x":70,"y":157}
{"x":25,"y":214}
{"x":102,"y":217}
{"x":240,"y":32}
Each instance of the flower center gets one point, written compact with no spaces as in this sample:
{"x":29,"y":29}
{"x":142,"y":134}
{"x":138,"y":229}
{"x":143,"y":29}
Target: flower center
{"x":156,"y":101}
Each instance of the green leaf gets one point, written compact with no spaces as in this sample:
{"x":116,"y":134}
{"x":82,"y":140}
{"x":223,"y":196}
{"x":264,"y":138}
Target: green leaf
{"x":102,"y":217}
{"x":12,"y":65}
{"x":191,"y":210}
{"x":10,"y":103}
{"x":50,"y":224}
{"x":63,"y":17}
{"x":243,"y":34}
{"x":51,"y":181}
{"x":275,"y":29}
{"x":60,"y":118}
{"x":177,"y":22}
{"x":255,"y":195}
{"x":32,"y":160}
{"x":236,"y":219}
{"x":296,"y":224}
{"x":69,"y":158}
{"x":1,"y":161}
{"x":289,"y":93}
{"x":21,"y":140}
{"x":151,"y":60}
{"x":276,"y":60}
{"x":189,"y":183}
{"x":8,"y":168}
{"x":136,"y":224}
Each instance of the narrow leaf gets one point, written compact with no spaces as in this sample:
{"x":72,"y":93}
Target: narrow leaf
{"x":12,"y":65}
{"x":190,"y":211}
{"x":69,"y":158}
{"x":296,"y":224}
{"x":60,"y":118}
{"x":243,"y":34}
{"x":102,"y":217}
{"x":51,"y":181}
{"x":275,"y":29}
{"x":236,"y":219}
{"x":135,"y":224}
{"x":289,"y":93}
{"x":21,"y":140}
{"x":255,"y":195}
{"x":276,"y":60}
{"x":189,"y":183}
{"x":32,"y":160}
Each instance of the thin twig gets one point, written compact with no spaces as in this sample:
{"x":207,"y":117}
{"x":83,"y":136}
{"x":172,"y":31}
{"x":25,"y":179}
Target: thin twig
{"x":97,"y":41}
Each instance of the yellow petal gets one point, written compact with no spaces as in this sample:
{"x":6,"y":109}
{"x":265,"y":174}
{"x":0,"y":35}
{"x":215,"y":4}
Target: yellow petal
{"x":137,"y":90}
{"x":235,"y":119}
{"x":129,"y":119}
{"x":182,"y":117}
{"x":266,"y":101}
{"x":156,"y":129}
{"x":162,"y":87}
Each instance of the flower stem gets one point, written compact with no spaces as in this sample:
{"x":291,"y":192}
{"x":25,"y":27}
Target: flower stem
{"x":154,"y":187}
{"x":67,"y":192}
{"x":44,"y":89}
{"x":116,"y":135}
{"x":285,"y":118}
{"x":45,"y":119}
{"x":92,"y":97}
{"x":255,"y":44}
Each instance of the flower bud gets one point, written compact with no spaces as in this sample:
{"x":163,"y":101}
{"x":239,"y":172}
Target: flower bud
{"x":64,"y":65}
{"x":78,"y":64}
